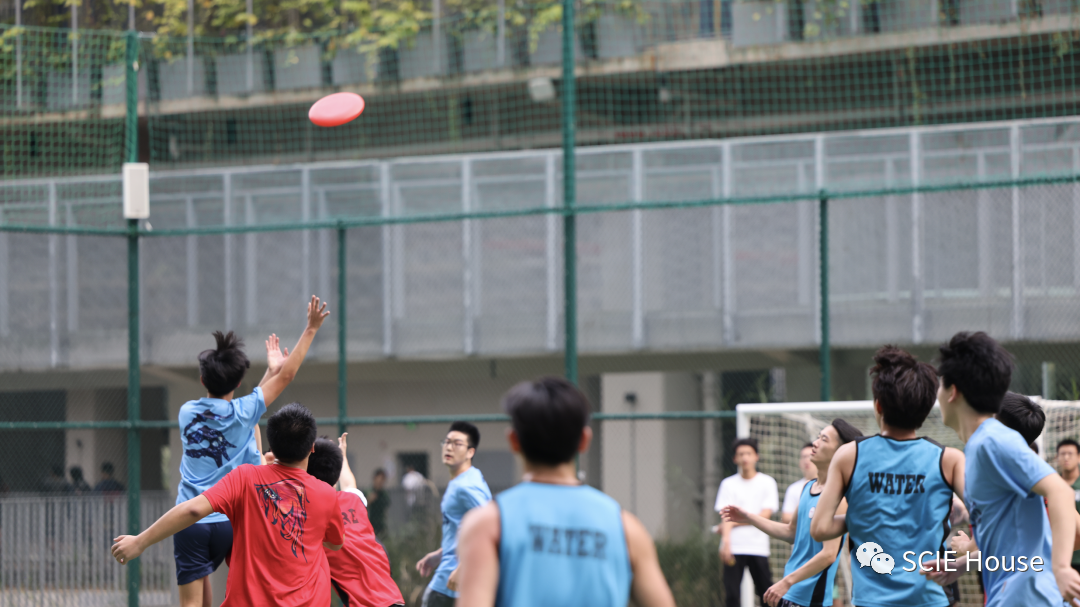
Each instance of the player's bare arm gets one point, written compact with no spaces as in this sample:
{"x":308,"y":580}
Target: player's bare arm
{"x":180,"y":517}
{"x":648,"y":587}
{"x":274,"y":386}
{"x":781,"y":531}
{"x":818,"y":563}
{"x":1062,"y":508}
{"x":274,"y":358}
{"x":426,"y":566}
{"x":478,"y":557}
{"x":347,"y":480}
{"x":828,"y":522}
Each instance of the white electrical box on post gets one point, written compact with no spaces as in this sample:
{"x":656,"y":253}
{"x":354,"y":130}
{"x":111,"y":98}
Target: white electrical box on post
{"x":136,"y":190}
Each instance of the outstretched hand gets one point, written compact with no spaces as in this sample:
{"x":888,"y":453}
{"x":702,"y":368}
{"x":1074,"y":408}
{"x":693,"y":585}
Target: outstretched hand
{"x":735,"y":514}
{"x":274,"y":358}
{"x":316,"y":313}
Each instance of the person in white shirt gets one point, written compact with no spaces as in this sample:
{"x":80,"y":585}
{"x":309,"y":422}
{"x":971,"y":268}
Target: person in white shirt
{"x":743,"y":546}
{"x":794,"y":490}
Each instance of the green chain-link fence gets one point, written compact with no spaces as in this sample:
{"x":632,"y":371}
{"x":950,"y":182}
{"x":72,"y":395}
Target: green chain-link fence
{"x":750,"y":196}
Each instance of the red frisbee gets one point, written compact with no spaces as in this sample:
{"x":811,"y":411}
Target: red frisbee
{"x":336,"y":109}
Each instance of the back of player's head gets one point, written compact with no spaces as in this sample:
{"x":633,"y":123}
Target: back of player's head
{"x":845,"y":431}
{"x":745,"y":442}
{"x":325,"y":462}
{"x":1021,"y":414}
{"x":468,"y":430}
{"x":291,"y":433}
{"x":108,"y":468}
{"x":76,"y":473}
{"x":1067,"y":442}
{"x":979,"y":368}
{"x":905,"y":388}
{"x":549,"y":416}
{"x":222,"y":369}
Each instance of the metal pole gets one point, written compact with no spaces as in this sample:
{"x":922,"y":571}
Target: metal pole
{"x":343,"y":405}
{"x":18,"y":55}
{"x":823,"y":244}
{"x":569,"y":195}
{"x":131,"y":128}
{"x":134,"y":447}
{"x":191,"y":47}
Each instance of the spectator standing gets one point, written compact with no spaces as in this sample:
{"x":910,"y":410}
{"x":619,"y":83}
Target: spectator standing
{"x":745,"y":547}
{"x":794,"y":490}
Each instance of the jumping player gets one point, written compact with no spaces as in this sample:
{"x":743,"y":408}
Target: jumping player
{"x":218,"y":434}
{"x":360,"y":571}
{"x":467,"y":490}
{"x":551,"y":540}
{"x":1004,"y":481}
{"x":282,"y":517}
{"x":811,"y":570}
{"x":899,"y":488}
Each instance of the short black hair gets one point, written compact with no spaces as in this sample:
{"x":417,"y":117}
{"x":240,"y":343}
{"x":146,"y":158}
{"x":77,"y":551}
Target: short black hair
{"x":108,"y":468}
{"x":223,"y":368}
{"x":845,"y":431}
{"x":548,"y":415}
{"x":468,"y":430}
{"x":807,"y":446}
{"x":325,"y":463}
{"x":76,"y":473}
{"x":1066,"y":442}
{"x":291,"y":433}
{"x":749,"y":442}
{"x":379,"y":472}
{"x":57,"y":470}
{"x":905,"y":388}
{"x":979,"y":368}
{"x":1021,"y":414}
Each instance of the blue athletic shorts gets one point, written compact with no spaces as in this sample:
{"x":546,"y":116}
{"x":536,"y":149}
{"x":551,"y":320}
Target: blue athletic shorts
{"x":200,"y":549}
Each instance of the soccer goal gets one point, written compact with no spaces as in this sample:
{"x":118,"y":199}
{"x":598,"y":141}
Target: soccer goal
{"x":782,"y":429}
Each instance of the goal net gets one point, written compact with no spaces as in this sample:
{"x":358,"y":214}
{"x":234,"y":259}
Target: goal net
{"x":782,"y":429}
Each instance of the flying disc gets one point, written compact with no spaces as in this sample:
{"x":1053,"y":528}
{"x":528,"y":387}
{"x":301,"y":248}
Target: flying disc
{"x":336,"y":109}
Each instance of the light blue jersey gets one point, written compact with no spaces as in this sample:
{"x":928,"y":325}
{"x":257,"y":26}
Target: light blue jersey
{"x":561,"y":545}
{"x":897,"y":499}
{"x":469,"y":490}
{"x":814,"y":591}
{"x":1008,"y":519}
{"x":217,"y":436}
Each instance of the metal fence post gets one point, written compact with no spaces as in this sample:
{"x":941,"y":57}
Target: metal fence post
{"x":134,"y":447}
{"x":343,"y":404}
{"x":825,"y":355}
{"x":569,"y":195}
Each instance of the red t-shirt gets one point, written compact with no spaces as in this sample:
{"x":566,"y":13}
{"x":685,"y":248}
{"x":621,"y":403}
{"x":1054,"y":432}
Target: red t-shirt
{"x":361,"y":570}
{"x":280,"y":518}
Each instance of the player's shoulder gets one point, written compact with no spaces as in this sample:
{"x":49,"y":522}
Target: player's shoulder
{"x":765,"y":480}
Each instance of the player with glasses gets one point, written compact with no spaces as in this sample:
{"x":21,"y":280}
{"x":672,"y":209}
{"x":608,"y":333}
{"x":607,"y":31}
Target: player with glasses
{"x":467,"y":490}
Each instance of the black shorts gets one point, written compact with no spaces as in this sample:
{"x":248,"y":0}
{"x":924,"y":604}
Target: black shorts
{"x":200,"y":549}
{"x":787,"y":603}
{"x":434,"y":598}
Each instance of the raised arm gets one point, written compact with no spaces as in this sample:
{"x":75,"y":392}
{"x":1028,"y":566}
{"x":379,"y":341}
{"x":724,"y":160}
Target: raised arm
{"x":781,"y":531}
{"x":274,"y":358}
{"x":821,"y":561}
{"x":828,"y":523}
{"x":346,"y":480}
{"x":180,"y":517}
{"x":648,"y":587}
{"x":274,"y":386}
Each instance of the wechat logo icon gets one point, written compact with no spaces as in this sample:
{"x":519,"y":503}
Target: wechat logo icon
{"x":871,"y":555}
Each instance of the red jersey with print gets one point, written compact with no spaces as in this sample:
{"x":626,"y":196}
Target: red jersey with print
{"x":280,"y":518}
{"x":361,"y":570}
